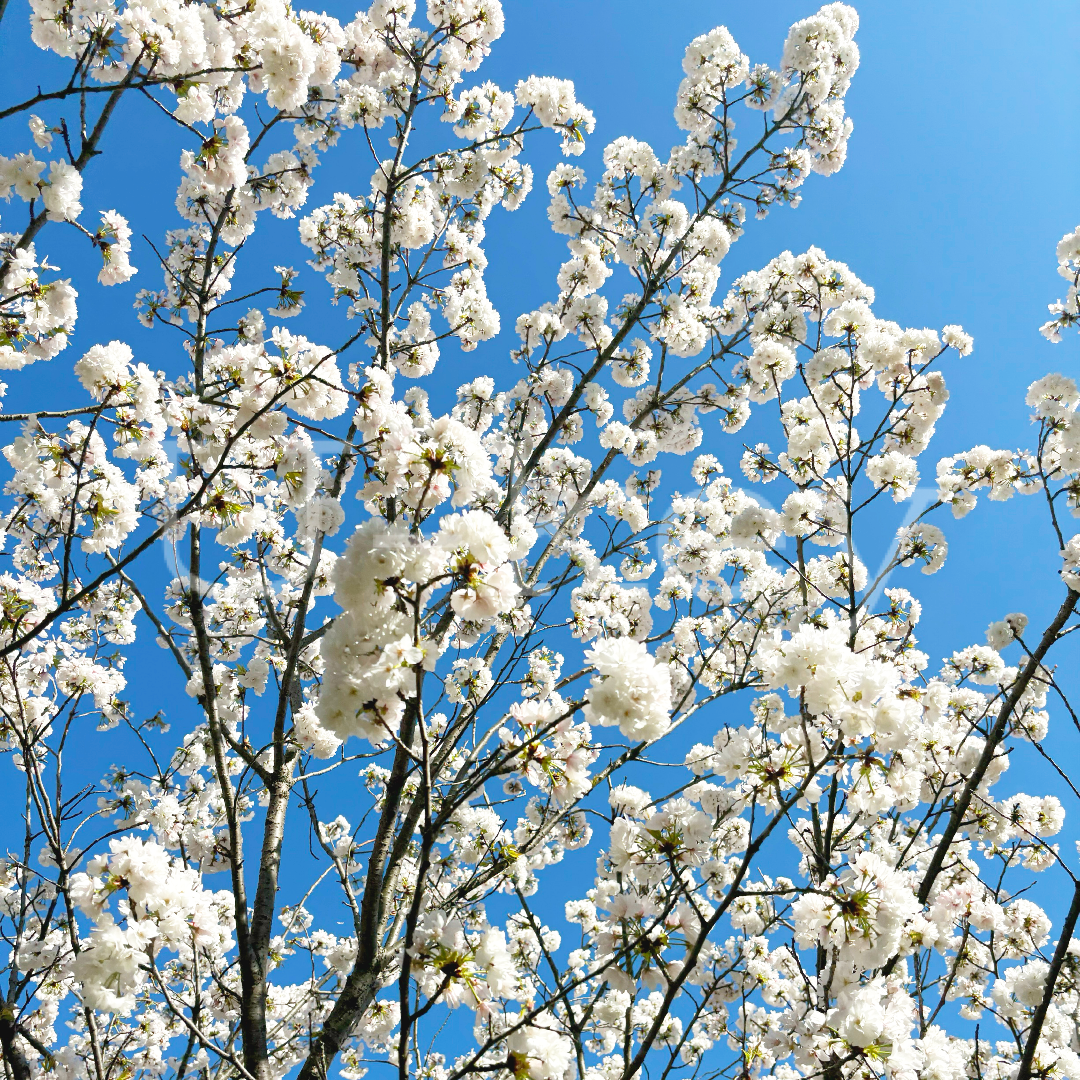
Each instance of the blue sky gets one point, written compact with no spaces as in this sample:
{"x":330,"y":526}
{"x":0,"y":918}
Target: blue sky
{"x":961,"y":177}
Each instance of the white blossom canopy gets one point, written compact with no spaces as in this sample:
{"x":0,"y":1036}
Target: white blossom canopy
{"x":434,"y":654}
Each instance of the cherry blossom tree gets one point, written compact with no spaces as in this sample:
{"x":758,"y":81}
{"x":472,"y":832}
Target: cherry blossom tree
{"x":433,"y":655}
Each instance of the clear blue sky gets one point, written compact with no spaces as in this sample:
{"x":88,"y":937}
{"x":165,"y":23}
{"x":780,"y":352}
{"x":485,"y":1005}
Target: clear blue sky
{"x":961,"y":177}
